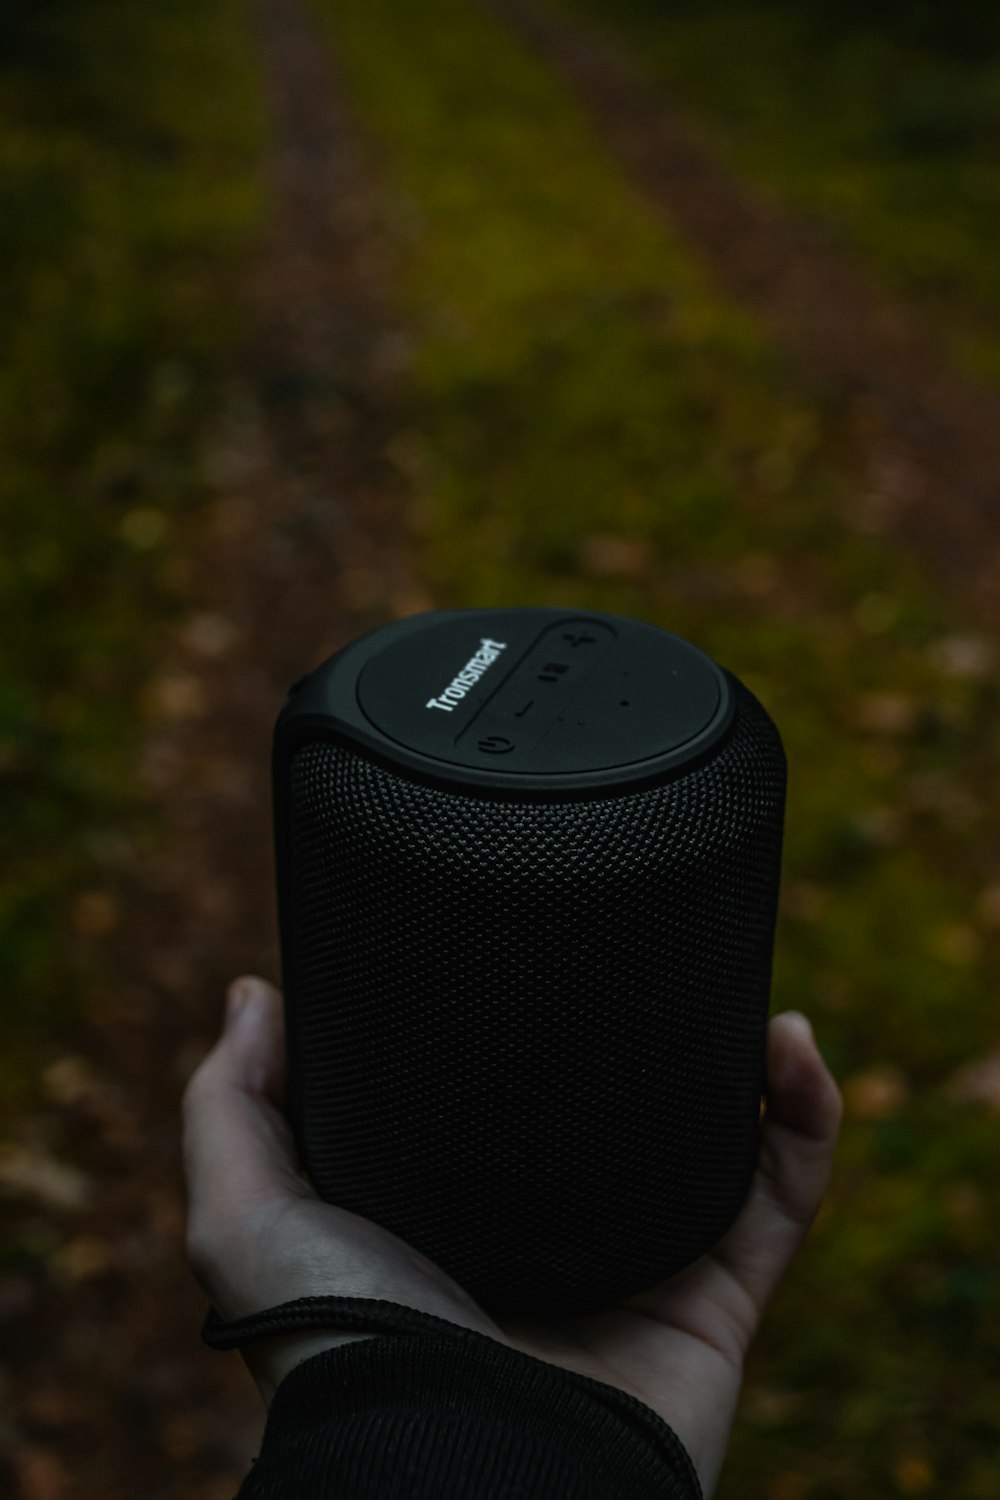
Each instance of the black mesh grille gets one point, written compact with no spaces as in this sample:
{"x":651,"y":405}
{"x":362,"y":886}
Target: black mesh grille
{"x":529,"y":1036}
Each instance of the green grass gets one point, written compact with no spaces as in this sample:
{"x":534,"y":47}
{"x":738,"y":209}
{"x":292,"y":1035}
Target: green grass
{"x":578,"y":383}
{"x":128,"y":194}
{"x":882,"y":122}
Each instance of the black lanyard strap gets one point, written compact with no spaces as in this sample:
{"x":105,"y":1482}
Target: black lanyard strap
{"x":349,"y":1314}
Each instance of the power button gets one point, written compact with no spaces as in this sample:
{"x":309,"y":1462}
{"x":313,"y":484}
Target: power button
{"x":496,"y":744}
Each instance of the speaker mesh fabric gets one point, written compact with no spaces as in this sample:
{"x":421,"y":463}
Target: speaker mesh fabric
{"x":529,"y":1036}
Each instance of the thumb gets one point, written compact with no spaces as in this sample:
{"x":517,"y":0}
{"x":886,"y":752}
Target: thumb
{"x":801,"y":1125}
{"x":237,"y":1144}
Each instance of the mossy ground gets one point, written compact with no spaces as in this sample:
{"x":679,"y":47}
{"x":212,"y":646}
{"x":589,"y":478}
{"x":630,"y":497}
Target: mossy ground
{"x":129,"y":187}
{"x":880,"y":122}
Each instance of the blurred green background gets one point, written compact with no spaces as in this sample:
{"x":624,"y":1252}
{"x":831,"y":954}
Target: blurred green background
{"x":591,"y":421}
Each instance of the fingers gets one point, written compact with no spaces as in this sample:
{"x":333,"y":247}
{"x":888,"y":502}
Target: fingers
{"x":799,"y":1137}
{"x":238,"y":1146}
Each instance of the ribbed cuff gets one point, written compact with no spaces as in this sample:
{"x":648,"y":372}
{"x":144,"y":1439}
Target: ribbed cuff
{"x":408,"y":1416}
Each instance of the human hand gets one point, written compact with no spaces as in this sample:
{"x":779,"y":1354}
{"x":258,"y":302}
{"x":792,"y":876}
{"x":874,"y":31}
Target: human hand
{"x":258,"y":1235}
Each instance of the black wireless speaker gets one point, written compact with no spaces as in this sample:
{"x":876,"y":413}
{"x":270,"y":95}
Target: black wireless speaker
{"x":528,"y":866}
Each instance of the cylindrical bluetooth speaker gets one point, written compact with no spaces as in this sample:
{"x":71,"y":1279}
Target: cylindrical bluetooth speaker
{"x":528,"y":866}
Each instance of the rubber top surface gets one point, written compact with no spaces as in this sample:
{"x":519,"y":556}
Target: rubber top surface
{"x":540,"y":692}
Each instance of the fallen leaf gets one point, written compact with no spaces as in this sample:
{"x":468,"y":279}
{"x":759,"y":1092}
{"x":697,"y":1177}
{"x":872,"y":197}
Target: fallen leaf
{"x":28,"y":1173}
{"x":759,"y":574}
{"x":48,"y":1403}
{"x":183,"y":1435}
{"x":615,"y":556}
{"x":978,"y":1083}
{"x":143,"y":528}
{"x":880,"y":826}
{"x":788,"y":1486}
{"x":804,"y":900}
{"x":410,"y":601}
{"x":965,"y":1205}
{"x":95,"y":914}
{"x":913,"y":1475}
{"x":964,"y":656}
{"x":767,"y":1407}
{"x":160,"y":766}
{"x":210,"y":635}
{"x":937,"y":791}
{"x":876,"y":612}
{"x":878,"y":1094}
{"x":177,"y":697}
{"x":69,"y":1080}
{"x":16,"y":1297}
{"x":40,"y":1474}
{"x":892,"y":714}
{"x":215,"y":901}
{"x":988,"y":906}
{"x":954,"y":942}
{"x":81,"y":1258}
{"x":360,"y":588}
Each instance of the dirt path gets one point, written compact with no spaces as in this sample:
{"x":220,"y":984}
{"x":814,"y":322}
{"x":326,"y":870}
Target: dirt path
{"x":925,"y":440}
{"x":111,"y":1393}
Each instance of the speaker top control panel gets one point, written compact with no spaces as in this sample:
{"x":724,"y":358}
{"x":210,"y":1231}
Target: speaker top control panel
{"x":514,"y":699}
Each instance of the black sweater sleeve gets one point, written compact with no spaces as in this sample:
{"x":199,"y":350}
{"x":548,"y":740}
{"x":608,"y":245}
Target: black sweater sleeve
{"x":436,"y":1416}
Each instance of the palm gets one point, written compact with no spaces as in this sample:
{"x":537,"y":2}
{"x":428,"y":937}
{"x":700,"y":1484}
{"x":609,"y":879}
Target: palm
{"x":258,"y":1235}
{"x":675,"y":1350}
{"x":652,"y":1358}
{"x":679,"y":1347}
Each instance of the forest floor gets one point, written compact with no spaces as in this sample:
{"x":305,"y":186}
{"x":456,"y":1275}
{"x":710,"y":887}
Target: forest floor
{"x":106,"y":1386}
{"x":925,"y":438}
{"x":109,"y":1387}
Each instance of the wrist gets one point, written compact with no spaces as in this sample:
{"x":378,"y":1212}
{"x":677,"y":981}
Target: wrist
{"x":271,"y":1362}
